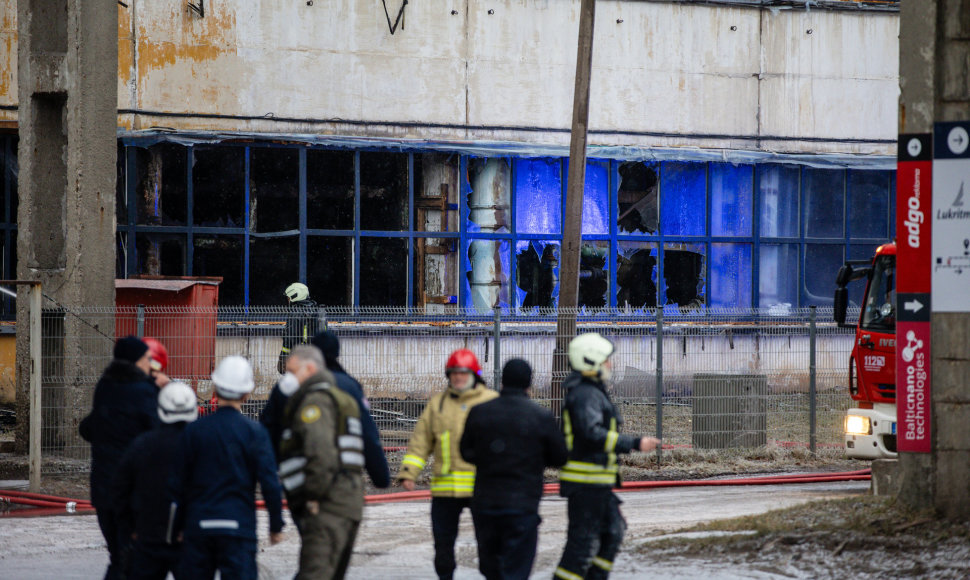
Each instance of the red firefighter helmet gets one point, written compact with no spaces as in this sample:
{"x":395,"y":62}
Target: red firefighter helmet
{"x":463,"y":360}
{"x":159,"y":353}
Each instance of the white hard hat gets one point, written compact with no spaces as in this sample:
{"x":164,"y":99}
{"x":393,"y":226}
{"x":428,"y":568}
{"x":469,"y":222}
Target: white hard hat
{"x":588,"y":352}
{"x":297,"y":292}
{"x":233,"y":378}
{"x":177,"y":402}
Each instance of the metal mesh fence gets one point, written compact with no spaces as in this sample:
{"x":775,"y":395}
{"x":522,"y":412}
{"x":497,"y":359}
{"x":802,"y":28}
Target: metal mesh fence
{"x":725,"y":380}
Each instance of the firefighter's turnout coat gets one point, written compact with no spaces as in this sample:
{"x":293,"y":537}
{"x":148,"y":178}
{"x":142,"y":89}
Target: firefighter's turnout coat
{"x":439,"y":431}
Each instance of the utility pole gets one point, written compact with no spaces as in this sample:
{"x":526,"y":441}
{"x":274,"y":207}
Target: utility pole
{"x":575,"y":184}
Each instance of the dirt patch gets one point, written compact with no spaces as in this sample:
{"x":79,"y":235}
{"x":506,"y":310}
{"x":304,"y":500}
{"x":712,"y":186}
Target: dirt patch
{"x":860,"y":537}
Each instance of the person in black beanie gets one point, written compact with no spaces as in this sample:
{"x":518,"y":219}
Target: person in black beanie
{"x":511,"y":441}
{"x":375,"y":462}
{"x":125,"y":406}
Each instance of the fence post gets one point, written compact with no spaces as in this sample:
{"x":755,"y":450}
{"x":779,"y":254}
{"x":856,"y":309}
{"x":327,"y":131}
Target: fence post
{"x":141,"y":321}
{"x":660,"y":381}
{"x":497,"y":351}
{"x":812,"y":434}
{"x":34,"y":441}
{"x":322,"y":320}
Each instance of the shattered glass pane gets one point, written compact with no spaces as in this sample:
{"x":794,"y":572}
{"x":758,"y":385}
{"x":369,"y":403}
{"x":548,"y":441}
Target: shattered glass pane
{"x":869,"y":204}
{"x":683,"y":189}
{"x":537,"y":273}
{"x":489,"y":186}
{"x":822,"y":263}
{"x":778,"y":275}
{"x":596,"y":198}
{"x":121,"y":183}
{"x":636,"y":275}
{"x":594,"y":274}
{"x":486,"y":272}
{"x":684,"y":283}
{"x":824,"y":193}
{"x":274,"y":189}
{"x":436,"y":189}
{"x":330,"y":270}
{"x":221,"y":256}
{"x":161,"y":184}
{"x":732,"y":187}
{"x":436,"y":274}
{"x":329,"y":189}
{"x":384,"y":191}
{"x":637,"y":198}
{"x":219,"y":186}
{"x":274,"y":264}
{"x":12,"y":168}
{"x":538,"y":196}
{"x":161,"y":255}
{"x":730,"y":275}
{"x":383,"y":271}
{"x":778,"y":188}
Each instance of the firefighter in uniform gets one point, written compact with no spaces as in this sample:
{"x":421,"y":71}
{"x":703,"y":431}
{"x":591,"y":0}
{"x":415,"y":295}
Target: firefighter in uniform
{"x":321,"y":460}
{"x":591,"y":426}
{"x":439,"y":432}
{"x":301,"y":322}
{"x":212,"y":488}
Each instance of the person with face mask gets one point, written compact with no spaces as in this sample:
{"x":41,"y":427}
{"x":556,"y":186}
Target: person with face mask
{"x":439,"y":432}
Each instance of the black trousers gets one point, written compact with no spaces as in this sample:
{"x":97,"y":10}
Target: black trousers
{"x":153,"y":561}
{"x":202,"y":555}
{"x":114,"y":537}
{"x":506,"y":543}
{"x":595,"y":532}
{"x":445,"y":514}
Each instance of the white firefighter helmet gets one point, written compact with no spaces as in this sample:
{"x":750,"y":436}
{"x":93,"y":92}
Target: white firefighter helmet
{"x":233,"y":378}
{"x":297,"y":292}
{"x":588,"y":352}
{"x":177,"y":402}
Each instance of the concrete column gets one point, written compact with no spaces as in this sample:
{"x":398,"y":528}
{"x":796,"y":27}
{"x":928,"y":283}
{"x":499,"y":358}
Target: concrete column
{"x":934,"y":70}
{"x":67,"y":76}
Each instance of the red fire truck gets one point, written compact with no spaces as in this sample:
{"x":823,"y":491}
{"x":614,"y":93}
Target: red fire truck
{"x":870,"y":427}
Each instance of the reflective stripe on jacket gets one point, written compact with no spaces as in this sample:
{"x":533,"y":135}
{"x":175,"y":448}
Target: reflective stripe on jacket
{"x":439,"y":432}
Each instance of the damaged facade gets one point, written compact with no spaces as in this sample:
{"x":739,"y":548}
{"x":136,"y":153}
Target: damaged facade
{"x":265,"y":143}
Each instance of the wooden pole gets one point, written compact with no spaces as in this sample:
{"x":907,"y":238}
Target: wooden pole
{"x":576,"y":179}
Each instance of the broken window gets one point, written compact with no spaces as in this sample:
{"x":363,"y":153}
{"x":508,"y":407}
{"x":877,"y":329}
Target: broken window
{"x":486,"y":271}
{"x":121,"y":184}
{"x":435,"y":274}
{"x":594,"y":274}
{"x":161,"y":184}
{"x":221,"y":256}
{"x":12,"y":171}
{"x":596,"y":198}
{"x":730,"y":275}
{"x":824,"y":193}
{"x":384,"y":191}
{"x":489,"y":183}
{"x":383,"y":271}
{"x":330,"y":189}
{"x":274,"y":189}
{"x":732,"y":187}
{"x":537,"y":273}
{"x":637,"y":198}
{"x":778,"y":187}
{"x":330,"y":270}
{"x":778,"y":275}
{"x":822,"y":263}
{"x":218,"y":186}
{"x":436,"y":192}
{"x":538,"y":196}
{"x":274,"y":264}
{"x":683,"y":192}
{"x":683,"y":270}
{"x":869,"y":204}
{"x":636,"y":275}
{"x":161,"y":255}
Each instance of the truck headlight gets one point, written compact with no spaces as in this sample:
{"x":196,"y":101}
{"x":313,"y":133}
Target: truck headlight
{"x":857,"y":425}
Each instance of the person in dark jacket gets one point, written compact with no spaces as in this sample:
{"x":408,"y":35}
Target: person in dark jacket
{"x":141,"y":480}
{"x":301,"y":322}
{"x":124,"y":408}
{"x":511,"y":441}
{"x":272,"y":415}
{"x":591,"y":425}
{"x":213,"y":487}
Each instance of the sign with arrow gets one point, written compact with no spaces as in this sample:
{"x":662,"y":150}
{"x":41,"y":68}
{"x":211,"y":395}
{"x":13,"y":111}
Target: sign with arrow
{"x":950,"y":218}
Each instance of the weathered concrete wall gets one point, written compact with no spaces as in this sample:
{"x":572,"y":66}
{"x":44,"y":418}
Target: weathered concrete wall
{"x":666,"y":73}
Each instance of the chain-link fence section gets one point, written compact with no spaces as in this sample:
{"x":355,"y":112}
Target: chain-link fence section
{"x":724,"y":380}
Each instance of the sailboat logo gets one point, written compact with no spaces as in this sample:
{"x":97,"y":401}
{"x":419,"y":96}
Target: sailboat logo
{"x":958,"y":202}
